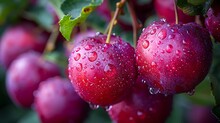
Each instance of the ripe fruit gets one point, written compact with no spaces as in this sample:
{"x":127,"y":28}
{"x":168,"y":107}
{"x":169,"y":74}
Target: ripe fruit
{"x":212,"y":23}
{"x":142,"y":107}
{"x":165,"y":9}
{"x":174,"y":58}
{"x":20,"y":39}
{"x":57,"y":102}
{"x":102,"y":73}
{"x":25,"y":75}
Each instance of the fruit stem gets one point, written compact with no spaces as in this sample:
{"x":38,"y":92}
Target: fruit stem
{"x":119,"y":5}
{"x":135,"y":23}
{"x":176,"y":12}
{"x":52,"y":40}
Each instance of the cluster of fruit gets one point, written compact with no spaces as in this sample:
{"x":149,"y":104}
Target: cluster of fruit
{"x":133,"y":84}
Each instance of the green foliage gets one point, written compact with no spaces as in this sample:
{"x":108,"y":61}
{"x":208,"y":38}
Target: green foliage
{"x":72,"y":8}
{"x":194,"y":7}
{"x":11,"y":9}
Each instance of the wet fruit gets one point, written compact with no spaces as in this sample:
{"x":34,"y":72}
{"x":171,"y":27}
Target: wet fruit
{"x":174,"y":58}
{"x":57,"y":102}
{"x":165,"y":9}
{"x":142,"y":107}
{"x":102,"y":73}
{"x":25,"y":75}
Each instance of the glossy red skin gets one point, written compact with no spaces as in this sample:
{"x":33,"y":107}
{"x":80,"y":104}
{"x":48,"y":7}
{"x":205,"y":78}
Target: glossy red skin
{"x":174,"y":58}
{"x":20,"y":39}
{"x":212,"y":23}
{"x":165,"y":9}
{"x":201,"y":114}
{"x":142,"y":107}
{"x":57,"y":102}
{"x":25,"y":75}
{"x":109,"y":77}
{"x":77,"y":38}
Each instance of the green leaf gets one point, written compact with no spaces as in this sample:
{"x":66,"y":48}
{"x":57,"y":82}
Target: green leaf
{"x":194,"y":7}
{"x":10,"y":10}
{"x":76,"y":12}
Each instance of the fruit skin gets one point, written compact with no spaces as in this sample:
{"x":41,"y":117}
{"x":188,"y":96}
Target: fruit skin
{"x":102,"y":73}
{"x":57,"y":102}
{"x":24,"y":76}
{"x":165,"y":9}
{"x":174,"y":58}
{"x":212,"y":23}
{"x":20,"y":39}
{"x":142,"y":107}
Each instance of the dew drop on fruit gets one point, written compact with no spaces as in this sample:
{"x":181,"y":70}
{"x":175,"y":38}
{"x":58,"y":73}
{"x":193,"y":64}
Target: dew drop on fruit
{"x":141,"y":115}
{"x":92,"y":67}
{"x":162,"y":34}
{"x":178,"y":52}
{"x":153,"y":31}
{"x":93,"y":106}
{"x":88,"y":47}
{"x":105,"y":47}
{"x":143,"y":81}
{"x":110,"y":70}
{"x":97,"y":33}
{"x":77,"y":56}
{"x":145,"y":44}
{"x":171,"y":36}
{"x":169,"y":48}
{"x":153,"y":90}
{"x":163,"y":20}
{"x":98,"y":63}
{"x":184,"y":42}
{"x":92,"y":56}
{"x":190,"y":93}
{"x":143,"y":29}
{"x":77,"y":49}
{"x":79,"y":67}
{"x":153,"y":64}
{"x":108,"y":108}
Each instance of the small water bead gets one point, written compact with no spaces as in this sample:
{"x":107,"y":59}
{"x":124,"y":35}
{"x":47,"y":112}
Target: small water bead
{"x":143,"y":29}
{"x":77,"y":56}
{"x":140,"y":115}
{"x":79,"y":67}
{"x":143,"y":81}
{"x":77,"y":49}
{"x":92,"y":56}
{"x":105,"y":47}
{"x":97,"y":33}
{"x":190,"y":93}
{"x":92,"y":67}
{"x":98,"y":63}
{"x":171,"y":36}
{"x":108,"y":108}
{"x":162,"y":34}
{"x":153,"y":64}
{"x":145,"y":44}
{"x":154,"y":91}
{"x":169,"y":48}
{"x":93,"y":106}
{"x":184,"y":42}
{"x":88,"y":47}
{"x":110,"y":70}
{"x":153,"y":31}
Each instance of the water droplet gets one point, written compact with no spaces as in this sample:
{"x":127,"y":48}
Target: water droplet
{"x":92,"y":67}
{"x":92,"y":56}
{"x":98,"y":63}
{"x":79,"y":67}
{"x":162,"y":34}
{"x":110,"y":70}
{"x":77,"y":49}
{"x":105,"y":47}
{"x":108,"y":108}
{"x":184,"y":42}
{"x":163,"y":20}
{"x":93,"y":106}
{"x":143,"y":81}
{"x":145,"y":44}
{"x":169,"y":48}
{"x":113,"y":34}
{"x":77,"y":56}
{"x":97,"y":33}
{"x":154,"y":90}
{"x":141,"y":115}
{"x":143,"y":29}
{"x":190,"y":93}
{"x":153,"y":31}
{"x":88,"y":47}
{"x":171,"y":36}
{"x":153,"y":64}
{"x":150,"y":109}
{"x":178,"y":52}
